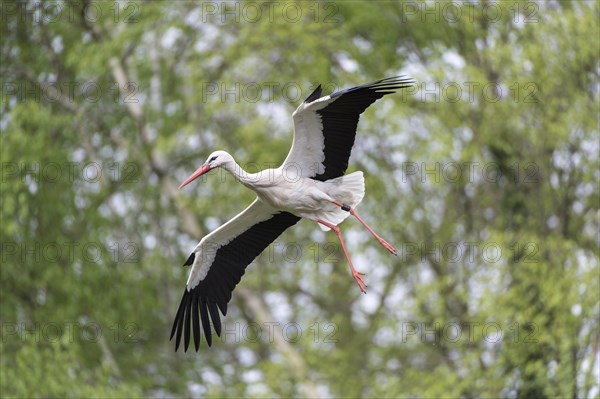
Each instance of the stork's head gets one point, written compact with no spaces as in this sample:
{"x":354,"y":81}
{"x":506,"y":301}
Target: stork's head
{"x":214,"y":160}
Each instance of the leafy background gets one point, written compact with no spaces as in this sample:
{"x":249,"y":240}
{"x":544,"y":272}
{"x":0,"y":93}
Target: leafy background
{"x":485,"y":177}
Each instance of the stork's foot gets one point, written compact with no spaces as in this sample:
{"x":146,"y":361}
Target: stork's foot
{"x":387,"y":245}
{"x":359,"y":280}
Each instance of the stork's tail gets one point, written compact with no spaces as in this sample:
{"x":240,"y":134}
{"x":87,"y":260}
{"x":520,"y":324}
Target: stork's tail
{"x":348,"y":189}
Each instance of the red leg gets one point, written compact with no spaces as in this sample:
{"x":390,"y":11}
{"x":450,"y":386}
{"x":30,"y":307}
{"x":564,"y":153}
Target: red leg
{"x":380,"y":239}
{"x":355,"y":274}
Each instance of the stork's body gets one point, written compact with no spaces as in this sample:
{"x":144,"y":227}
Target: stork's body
{"x":281,"y":190}
{"x":309,"y":184}
{"x":305,"y":197}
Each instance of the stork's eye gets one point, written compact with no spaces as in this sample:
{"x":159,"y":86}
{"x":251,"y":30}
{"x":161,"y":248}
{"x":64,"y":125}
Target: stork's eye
{"x":212,"y":158}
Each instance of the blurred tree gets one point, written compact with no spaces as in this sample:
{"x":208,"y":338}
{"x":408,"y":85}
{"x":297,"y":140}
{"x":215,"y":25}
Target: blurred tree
{"x":484,"y":176}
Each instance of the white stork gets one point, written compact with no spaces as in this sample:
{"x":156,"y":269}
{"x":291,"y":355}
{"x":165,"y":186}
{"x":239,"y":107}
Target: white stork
{"x":324,"y":132}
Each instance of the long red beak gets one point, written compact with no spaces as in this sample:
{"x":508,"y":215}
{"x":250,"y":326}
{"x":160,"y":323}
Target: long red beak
{"x":201,"y":170}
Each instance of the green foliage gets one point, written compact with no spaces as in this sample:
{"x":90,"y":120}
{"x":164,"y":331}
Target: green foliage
{"x":485,"y":178}
{"x":59,"y":370}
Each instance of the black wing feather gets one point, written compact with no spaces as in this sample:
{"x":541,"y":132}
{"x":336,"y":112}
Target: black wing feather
{"x":205,"y":322}
{"x":315,"y":95}
{"x":196,"y":323}
{"x":190,"y":260}
{"x":188,"y":312}
{"x":178,"y":316}
{"x":225,"y":272}
{"x":340,"y":119}
{"x":214,"y":317}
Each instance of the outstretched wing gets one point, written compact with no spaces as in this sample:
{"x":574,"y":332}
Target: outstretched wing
{"x":325,"y":128}
{"x":218,"y":263}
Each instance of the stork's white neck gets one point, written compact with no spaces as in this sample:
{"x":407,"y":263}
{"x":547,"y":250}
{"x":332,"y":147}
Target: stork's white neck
{"x":246,"y":178}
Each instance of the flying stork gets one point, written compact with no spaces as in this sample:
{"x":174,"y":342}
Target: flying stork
{"x":309,"y":184}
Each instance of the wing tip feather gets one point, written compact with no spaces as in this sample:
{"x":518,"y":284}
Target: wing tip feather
{"x":315,"y":95}
{"x":392,"y":83}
